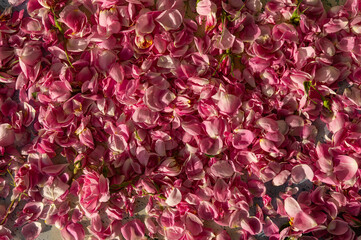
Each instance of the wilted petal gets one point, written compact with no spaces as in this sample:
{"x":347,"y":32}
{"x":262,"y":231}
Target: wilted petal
{"x":327,"y":75}
{"x":193,"y":224}
{"x":31,"y":230}
{"x":207,"y":211}
{"x":345,"y":167}
{"x":211,"y":146}
{"x":145,"y":24}
{"x":222,"y":169}
{"x":170,"y":19}
{"x":60,"y":91}
{"x":268,"y":124}
{"x":133,"y":230}
{"x":73,"y":231}
{"x":337,"y":227}
{"x":301,"y":172}
{"x":335,"y":25}
{"x":242,"y":138}
{"x":221,"y":190}
{"x":7,"y":135}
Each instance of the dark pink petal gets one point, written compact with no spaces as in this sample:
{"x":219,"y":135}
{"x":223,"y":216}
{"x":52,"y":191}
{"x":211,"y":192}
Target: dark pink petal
{"x":242,"y":138}
{"x":345,"y":167}
{"x":207,"y":211}
{"x":327,"y":75}
{"x":55,"y":170}
{"x":221,"y":191}
{"x":211,"y":146}
{"x":193,"y":224}
{"x":170,"y":19}
{"x":222,"y":169}
{"x":31,"y":230}
{"x":117,"y":73}
{"x":5,"y":233}
{"x":73,"y":231}
{"x":337,"y":227}
{"x":133,"y":230}
{"x":252,"y":225}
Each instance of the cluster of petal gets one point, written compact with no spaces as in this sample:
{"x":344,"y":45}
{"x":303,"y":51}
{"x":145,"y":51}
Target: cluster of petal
{"x":199,"y":107}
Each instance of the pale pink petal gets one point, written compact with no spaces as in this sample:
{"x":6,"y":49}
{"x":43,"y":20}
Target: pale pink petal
{"x":204,"y":7}
{"x":242,"y":138}
{"x":301,"y":172}
{"x":174,"y":197}
{"x":345,"y":167}
{"x":268,"y":124}
{"x":303,"y":221}
{"x":170,"y":19}
{"x":292,"y":207}
{"x":145,"y":24}
{"x":281,"y":178}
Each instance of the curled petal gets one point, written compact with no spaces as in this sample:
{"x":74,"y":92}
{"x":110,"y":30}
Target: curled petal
{"x":337,"y":227}
{"x":252,"y":225}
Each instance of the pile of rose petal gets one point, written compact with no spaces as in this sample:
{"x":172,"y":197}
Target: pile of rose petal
{"x":194,"y":105}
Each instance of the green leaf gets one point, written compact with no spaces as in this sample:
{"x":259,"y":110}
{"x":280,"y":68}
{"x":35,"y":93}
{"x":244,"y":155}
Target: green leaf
{"x":162,"y":197}
{"x":307,"y":85}
{"x":327,"y":104}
